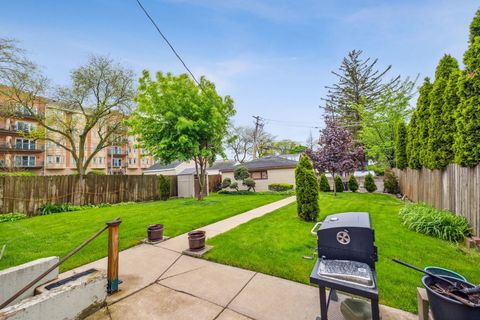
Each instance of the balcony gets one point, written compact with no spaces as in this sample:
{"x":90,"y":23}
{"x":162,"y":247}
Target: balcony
{"x":28,"y":115}
{"x":13,"y":129}
{"x":117,"y":153}
{"x":21,"y":148}
{"x":29,"y":164}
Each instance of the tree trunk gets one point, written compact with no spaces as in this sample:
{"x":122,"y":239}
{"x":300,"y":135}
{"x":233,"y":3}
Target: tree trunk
{"x":334,"y":185}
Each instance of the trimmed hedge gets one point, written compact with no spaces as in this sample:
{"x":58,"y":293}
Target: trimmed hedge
{"x":250,"y":184}
{"x":339,"y":184}
{"x":280,"y":186}
{"x":324,"y":185}
{"x":17,"y":174}
{"x":425,"y":219}
{"x":226,"y":183}
{"x":369,"y":183}
{"x":352,"y":183}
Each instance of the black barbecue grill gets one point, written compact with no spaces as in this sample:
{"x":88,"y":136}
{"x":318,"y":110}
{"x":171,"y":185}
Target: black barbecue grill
{"x":346,"y":259}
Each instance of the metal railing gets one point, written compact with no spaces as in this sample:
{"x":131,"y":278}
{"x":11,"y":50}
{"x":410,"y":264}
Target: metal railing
{"x":112,"y":267}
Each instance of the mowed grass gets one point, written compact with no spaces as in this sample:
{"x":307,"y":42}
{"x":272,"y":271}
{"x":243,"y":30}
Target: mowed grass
{"x":275,"y":244}
{"x":57,"y":234}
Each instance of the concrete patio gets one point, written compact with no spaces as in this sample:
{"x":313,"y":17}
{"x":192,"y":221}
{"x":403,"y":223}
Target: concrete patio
{"x":161,"y":283}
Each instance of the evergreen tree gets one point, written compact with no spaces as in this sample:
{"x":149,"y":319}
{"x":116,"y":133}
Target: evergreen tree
{"x":338,"y":184}
{"x":352,"y":183}
{"x":450,"y":107}
{"x":437,"y":150}
{"x":467,"y":138}
{"x":369,"y":183}
{"x":306,"y":190}
{"x":324,"y":185}
{"x":401,"y":146}
{"x":413,"y":153}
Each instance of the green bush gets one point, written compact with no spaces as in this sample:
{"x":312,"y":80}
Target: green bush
{"x":390,"y":182}
{"x":338,"y":184}
{"x":10,"y":217}
{"x":17,"y":174}
{"x":369,"y":183}
{"x":96,"y":173}
{"x":249,"y":183}
{"x":241,"y":173}
{"x":422,"y":218}
{"x":280,"y":186}
{"x":164,"y":186}
{"x":352,"y":183}
{"x":50,"y":208}
{"x":237,"y":192}
{"x":307,"y":190}
{"x":226,"y":183}
{"x":234,"y":185}
{"x":379,"y":169}
{"x":324,"y":185}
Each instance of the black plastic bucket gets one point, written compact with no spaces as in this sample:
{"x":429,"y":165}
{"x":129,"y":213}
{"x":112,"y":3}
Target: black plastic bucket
{"x":444,"y":308}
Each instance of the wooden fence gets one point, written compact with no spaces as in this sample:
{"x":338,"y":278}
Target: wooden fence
{"x":27,"y":194}
{"x":454,"y":188}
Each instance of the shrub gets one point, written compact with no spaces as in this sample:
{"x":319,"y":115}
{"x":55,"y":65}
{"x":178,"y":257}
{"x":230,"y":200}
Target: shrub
{"x":280,"y":187}
{"x":50,"y":208}
{"x":164,"y":186}
{"x":324,"y":185}
{"x":96,"y":173}
{"x":401,"y":146}
{"x":17,"y":174}
{"x":379,"y":169}
{"x":234,"y":185}
{"x":422,"y":218}
{"x":390,"y":182}
{"x":307,"y":190}
{"x":369,"y":183}
{"x":226,"y":183}
{"x":338,"y":184}
{"x":250,"y":183}
{"x":10,"y":217}
{"x":352,"y":183}
{"x":238,"y":192}
{"x":241,"y":173}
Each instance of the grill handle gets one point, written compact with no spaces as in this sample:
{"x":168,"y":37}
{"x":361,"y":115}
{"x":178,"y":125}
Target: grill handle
{"x":313,"y":231}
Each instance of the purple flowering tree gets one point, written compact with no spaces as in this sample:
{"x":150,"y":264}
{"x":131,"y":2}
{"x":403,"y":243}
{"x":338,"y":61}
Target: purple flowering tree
{"x":337,"y":152}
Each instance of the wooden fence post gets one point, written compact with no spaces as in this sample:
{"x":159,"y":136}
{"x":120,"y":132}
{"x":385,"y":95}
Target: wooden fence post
{"x":113,"y":254}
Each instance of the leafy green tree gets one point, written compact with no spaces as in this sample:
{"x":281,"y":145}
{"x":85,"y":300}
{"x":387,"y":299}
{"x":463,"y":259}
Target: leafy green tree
{"x":467,"y":138}
{"x":379,"y":121}
{"x":401,"y":146}
{"x":306,"y":190}
{"x":241,"y":173}
{"x":180,"y":120}
{"x":352,"y":183}
{"x":324,"y":185}
{"x":338,"y":184}
{"x":369,"y":183}
{"x":438,"y":151}
{"x":226,"y":183}
{"x":250,"y":184}
{"x":419,"y":128}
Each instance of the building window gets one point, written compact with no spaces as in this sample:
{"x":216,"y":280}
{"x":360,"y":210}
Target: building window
{"x":25,"y":144}
{"x":54,"y":159}
{"x":259,"y":175}
{"x":25,"y":126}
{"x":116,"y":162}
{"x":25,"y":161}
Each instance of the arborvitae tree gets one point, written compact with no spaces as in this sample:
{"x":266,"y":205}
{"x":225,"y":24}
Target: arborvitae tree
{"x":437,"y":150}
{"x":401,"y":146}
{"x":338,"y":184}
{"x":359,"y":82}
{"x":413,"y":153}
{"x":324,"y":185}
{"x":467,"y":138}
{"x":423,"y":122}
{"x":306,"y":190}
{"x":369,"y":183}
{"x":352,"y":183}
{"x":450,"y":107}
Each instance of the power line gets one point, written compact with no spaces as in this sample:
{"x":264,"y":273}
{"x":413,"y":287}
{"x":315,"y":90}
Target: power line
{"x":170,"y":45}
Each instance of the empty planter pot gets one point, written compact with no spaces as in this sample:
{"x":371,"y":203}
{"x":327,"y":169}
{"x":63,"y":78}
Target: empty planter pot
{"x":155,"y":232}
{"x":196,"y":240}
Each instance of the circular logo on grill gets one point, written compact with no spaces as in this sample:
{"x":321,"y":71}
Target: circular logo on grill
{"x":343,"y":237}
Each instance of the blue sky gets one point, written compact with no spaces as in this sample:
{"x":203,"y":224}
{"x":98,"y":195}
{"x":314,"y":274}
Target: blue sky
{"x":273,"y":57}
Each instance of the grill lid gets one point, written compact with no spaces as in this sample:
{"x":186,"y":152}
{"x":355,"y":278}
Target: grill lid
{"x":354,"y":272}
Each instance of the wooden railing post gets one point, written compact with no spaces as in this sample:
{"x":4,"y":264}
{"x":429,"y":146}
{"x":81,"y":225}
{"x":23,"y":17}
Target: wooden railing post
{"x":113,"y":253}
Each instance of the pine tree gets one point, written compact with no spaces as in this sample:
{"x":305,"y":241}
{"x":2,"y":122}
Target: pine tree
{"x":306,"y":190}
{"x":467,"y":138}
{"x":437,"y":149}
{"x":338,"y":184}
{"x":450,"y":107}
{"x":401,"y":146}
{"x":419,"y":128}
{"x":352,"y":183}
{"x":369,"y":183}
{"x":324,"y":185}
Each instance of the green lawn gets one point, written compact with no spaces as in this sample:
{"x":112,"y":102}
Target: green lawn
{"x":275,"y":243}
{"x":57,"y":234}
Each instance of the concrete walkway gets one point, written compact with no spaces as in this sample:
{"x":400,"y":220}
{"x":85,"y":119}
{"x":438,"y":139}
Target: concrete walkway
{"x":161,"y":283}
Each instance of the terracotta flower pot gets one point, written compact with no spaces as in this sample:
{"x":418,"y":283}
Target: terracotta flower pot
{"x":155,"y":232}
{"x":196,"y":240}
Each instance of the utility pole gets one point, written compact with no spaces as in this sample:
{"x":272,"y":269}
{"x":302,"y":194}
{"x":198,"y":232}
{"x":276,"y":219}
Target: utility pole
{"x":258,"y":126}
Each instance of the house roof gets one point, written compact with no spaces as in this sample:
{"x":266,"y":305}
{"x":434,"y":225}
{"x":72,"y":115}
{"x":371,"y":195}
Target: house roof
{"x":265,"y":163}
{"x":163,"y":166}
{"x":217,"y":165}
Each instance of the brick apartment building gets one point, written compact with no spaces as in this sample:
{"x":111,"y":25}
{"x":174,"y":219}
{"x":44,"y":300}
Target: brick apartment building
{"x":18,"y":153}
